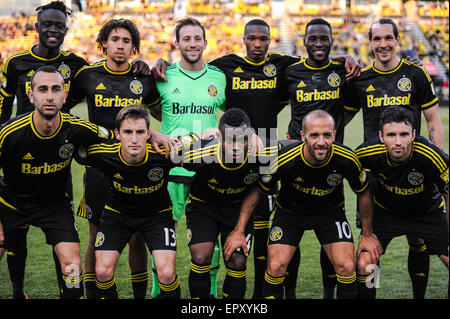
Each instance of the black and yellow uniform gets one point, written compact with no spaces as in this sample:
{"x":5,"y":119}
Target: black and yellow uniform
{"x":407,"y":198}
{"x":217,"y":193}
{"x":16,"y":74}
{"x":255,"y":87}
{"x":407,"y":85}
{"x":310,"y":88}
{"x":106,"y":92}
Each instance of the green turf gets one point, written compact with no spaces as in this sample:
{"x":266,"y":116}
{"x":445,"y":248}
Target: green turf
{"x":40,"y":279}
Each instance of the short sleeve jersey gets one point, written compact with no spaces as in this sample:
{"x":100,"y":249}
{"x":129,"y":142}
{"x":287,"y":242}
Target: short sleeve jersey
{"x":408,"y":85}
{"x":35,"y":167}
{"x":255,"y":87}
{"x":413,"y":187}
{"x":309,"y":189}
{"x":189,"y":101}
{"x":107,"y":92}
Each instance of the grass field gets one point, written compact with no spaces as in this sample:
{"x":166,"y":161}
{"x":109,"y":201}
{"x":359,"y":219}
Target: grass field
{"x":40,"y":279}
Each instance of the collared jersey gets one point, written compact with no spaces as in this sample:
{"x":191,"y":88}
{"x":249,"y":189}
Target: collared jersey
{"x":255,"y":87}
{"x":35,"y":167}
{"x":407,"y":85}
{"x":214,"y":180}
{"x":309,"y":189}
{"x":413,"y":187}
{"x":135,"y":188}
{"x":17,"y":72}
{"x":311,"y":88}
{"x":107,"y":91}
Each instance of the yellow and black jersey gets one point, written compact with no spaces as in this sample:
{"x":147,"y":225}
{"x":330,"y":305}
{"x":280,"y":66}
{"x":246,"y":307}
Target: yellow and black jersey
{"x":255,"y":87}
{"x":215,"y":180}
{"x":135,"y":188}
{"x":35,"y":167}
{"x":413,"y":187}
{"x":308,"y":189}
{"x":18,"y":69}
{"x":407,"y":85}
{"x":309,"y":88}
{"x":107,"y":92}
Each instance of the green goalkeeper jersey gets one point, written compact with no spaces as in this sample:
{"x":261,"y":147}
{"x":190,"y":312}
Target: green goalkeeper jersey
{"x":189,"y":102}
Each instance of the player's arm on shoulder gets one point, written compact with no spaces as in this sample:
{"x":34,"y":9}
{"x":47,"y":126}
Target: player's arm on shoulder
{"x":156,"y":111}
{"x":351,"y":65}
{"x":434,"y":125}
{"x":158,"y":139}
{"x":158,"y":69}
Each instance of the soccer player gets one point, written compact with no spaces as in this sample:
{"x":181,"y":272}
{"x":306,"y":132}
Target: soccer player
{"x":190,"y":99}
{"x":390,"y":80}
{"x":139,"y":176}
{"x":109,"y":86}
{"x":411,"y":175}
{"x":311,"y":197}
{"x":36,"y":150}
{"x":225,"y":174}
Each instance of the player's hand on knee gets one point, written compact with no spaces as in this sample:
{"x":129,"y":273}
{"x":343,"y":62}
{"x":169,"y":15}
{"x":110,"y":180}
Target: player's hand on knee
{"x":371,"y":245}
{"x":234,"y":241}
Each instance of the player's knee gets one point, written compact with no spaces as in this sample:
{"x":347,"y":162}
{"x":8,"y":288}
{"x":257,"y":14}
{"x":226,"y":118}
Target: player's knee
{"x":166,"y":275}
{"x":363,"y":264}
{"x":276,"y":267}
{"x":104,"y":272}
{"x":345,"y":267}
{"x":444,"y":259}
{"x":236,"y":261}
{"x":201,"y":259}
{"x":414,"y":241}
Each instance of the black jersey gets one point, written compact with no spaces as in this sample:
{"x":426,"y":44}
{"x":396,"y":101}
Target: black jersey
{"x":36,"y":168}
{"x":255,"y":87}
{"x":17,"y":72}
{"x":135,"y":188}
{"x":310,"y":88}
{"x":413,"y":187}
{"x":308,"y":189}
{"x":407,"y":85}
{"x":107,"y":92}
{"x":214,"y":181}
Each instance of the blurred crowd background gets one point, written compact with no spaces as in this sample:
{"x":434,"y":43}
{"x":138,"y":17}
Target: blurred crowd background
{"x":424,"y":30}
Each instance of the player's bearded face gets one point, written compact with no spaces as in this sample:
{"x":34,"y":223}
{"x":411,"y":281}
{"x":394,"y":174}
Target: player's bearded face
{"x":383,"y":42}
{"x":398,"y":138}
{"x":256,"y":40}
{"x":48,"y":94}
{"x":191,"y":43}
{"x":51,"y":28}
{"x":119,"y":45}
{"x":319,"y":137}
{"x":133,"y":135}
{"x":318,"y":41}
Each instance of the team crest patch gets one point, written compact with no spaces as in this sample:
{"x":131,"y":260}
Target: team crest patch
{"x":100,"y":239}
{"x":334,"y":179}
{"x":212,"y":90}
{"x":155,"y":174}
{"x":444,"y":176}
{"x":276,"y":233}
{"x":334,"y":79}
{"x":251,"y":178}
{"x":404,"y":84}
{"x":415,"y":178}
{"x":66,"y":150}
{"x":270,"y":70}
{"x":102,"y":132}
{"x":64,"y":69}
{"x":136,"y":87}
{"x":189,"y":235}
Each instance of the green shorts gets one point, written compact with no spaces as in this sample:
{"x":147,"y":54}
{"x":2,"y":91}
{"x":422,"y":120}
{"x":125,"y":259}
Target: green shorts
{"x":179,"y":193}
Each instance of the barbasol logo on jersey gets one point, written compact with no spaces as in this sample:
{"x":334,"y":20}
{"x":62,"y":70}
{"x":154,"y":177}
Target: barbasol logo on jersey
{"x":116,"y":101}
{"x":192,"y":109}
{"x":317,"y":95}
{"x":387,"y":100}
{"x":253,"y":84}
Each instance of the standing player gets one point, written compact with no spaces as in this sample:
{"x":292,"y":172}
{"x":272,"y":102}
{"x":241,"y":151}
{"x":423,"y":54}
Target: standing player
{"x":410,"y":173}
{"x":138,"y":176}
{"x":189,"y":102}
{"x":36,"y":150}
{"x":109,"y":86}
{"x":311,"y":197}
{"x":390,"y":80}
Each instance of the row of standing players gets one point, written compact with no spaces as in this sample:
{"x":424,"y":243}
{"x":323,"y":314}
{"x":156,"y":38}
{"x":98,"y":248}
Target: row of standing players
{"x":257,"y":66}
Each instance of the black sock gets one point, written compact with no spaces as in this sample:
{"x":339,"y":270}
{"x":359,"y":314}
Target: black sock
{"x":273,"y":287}
{"x":73,"y":287}
{"x":59,"y":274}
{"x":139,"y":282}
{"x":346,"y":287}
{"x":171,"y":291}
{"x":366,"y":286}
{"x":16,"y":257}
{"x":107,"y":289}
{"x":199,"y":281}
{"x":234,"y":285}
{"x":260,"y":235}
{"x":290,"y":281}
{"x":89,"y":285}
{"x":328,"y":275}
{"x":419,"y":268}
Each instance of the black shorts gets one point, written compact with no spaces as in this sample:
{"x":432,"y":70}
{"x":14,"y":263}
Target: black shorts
{"x":206,"y":221}
{"x":157,"y":229}
{"x":266,"y":205}
{"x":431,"y":226}
{"x":330,"y":227}
{"x":56,"y":221}
{"x":95,"y":193}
